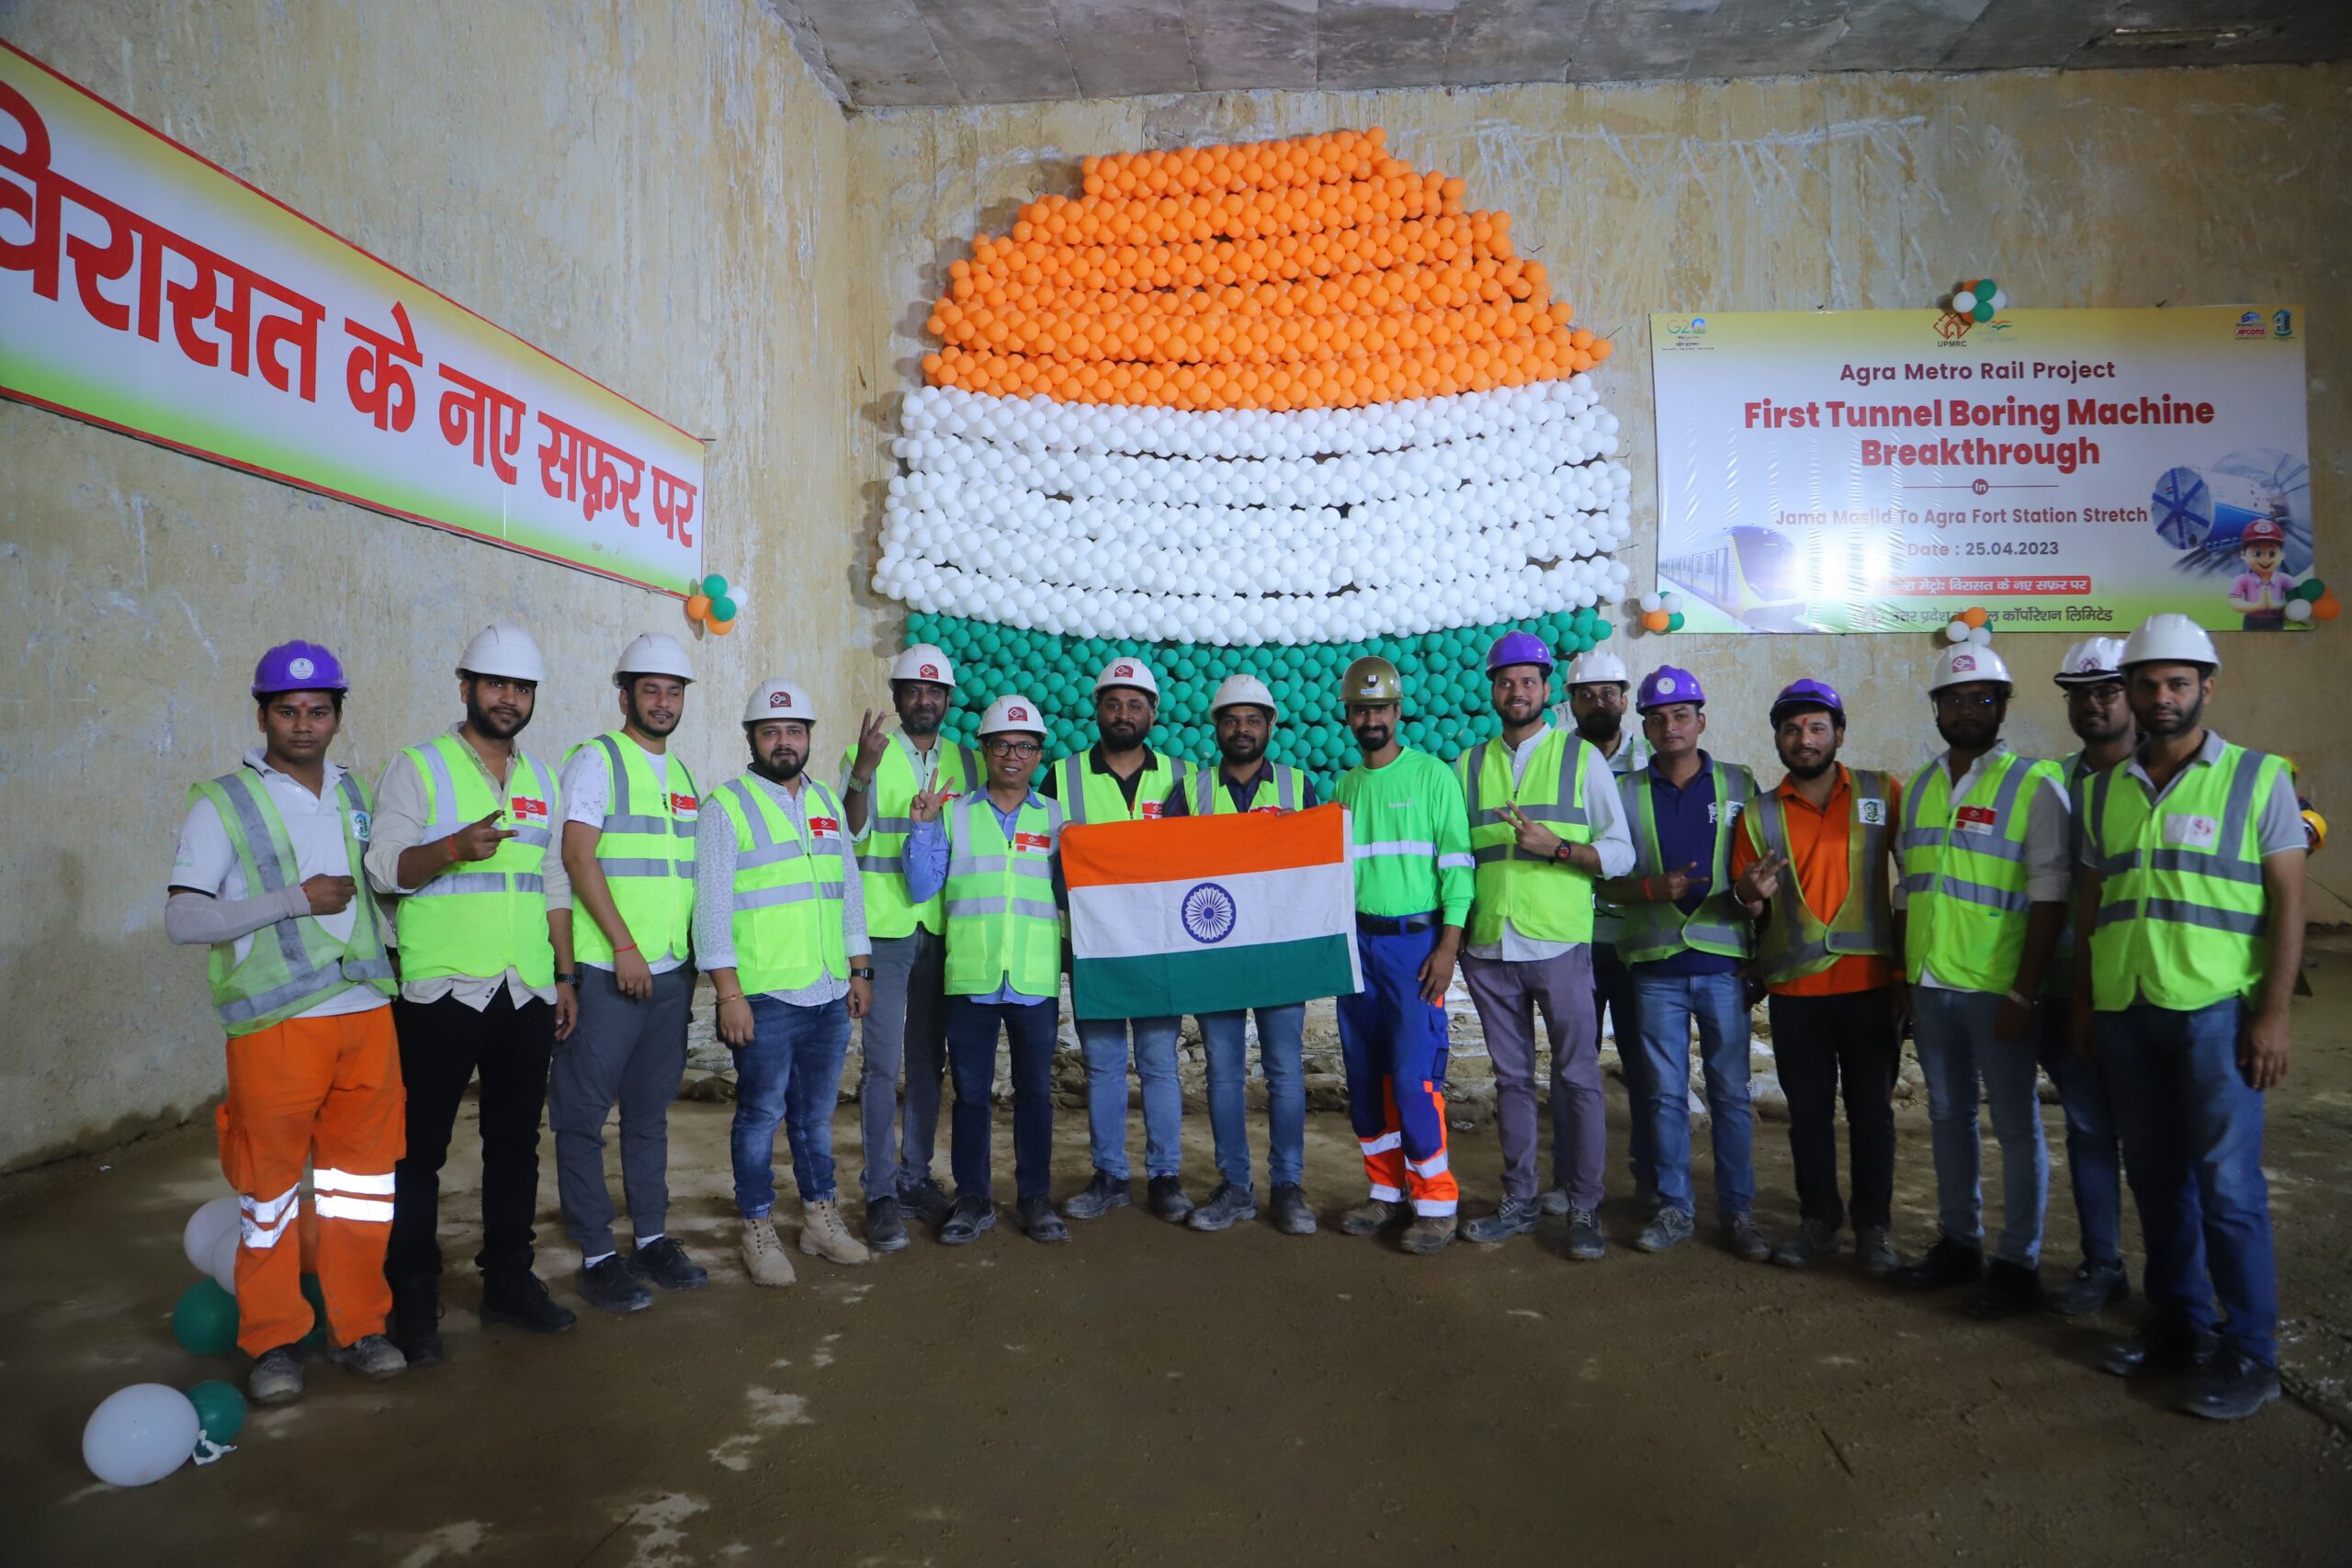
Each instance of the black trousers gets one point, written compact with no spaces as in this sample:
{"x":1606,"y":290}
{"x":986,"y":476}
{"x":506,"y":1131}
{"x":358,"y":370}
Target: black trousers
{"x":443,"y":1045}
{"x":1818,"y":1043}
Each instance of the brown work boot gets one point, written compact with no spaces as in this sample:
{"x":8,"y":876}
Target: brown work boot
{"x":763,"y":1256}
{"x":822,"y":1234}
{"x":1427,"y":1234}
{"x":1373,"y":1214}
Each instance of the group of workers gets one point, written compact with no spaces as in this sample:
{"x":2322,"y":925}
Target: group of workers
{"x":2129,"y":919}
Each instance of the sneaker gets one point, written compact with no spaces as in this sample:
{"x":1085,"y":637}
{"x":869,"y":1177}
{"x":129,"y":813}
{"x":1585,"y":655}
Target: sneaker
{"x":1514,"y":1216}
{"x":665,"y":1263}
{"x":372,"y":1356}
{"x":1585,"y":1242}
{"x":1815,"y":1239}
{"x":276,"y":1377}
{"x":1556,"y":1200}
{"x":1169,"y":1199}
{"x":1036,"y":1216}
{"x":764,"y":1256}
{"x":822,"y":1234}
{"x":2159,"y":1350}
{"x":2094,"y":1285}
{"x":1291,"y":1213}
{"x":2231,"y":1387}
{"x":1874,"y":1245}
{"x":1101,"y":1196}
{"x":1227,"y":1206}
{"x":519,"y":1299}
{"x":1668,"y":1229}
{"x":1949,"y":1262}
{"x":416,"y":1321}
{"x":1375,"y":1214}
{"x":927,"y":1201}
{"x":2006,"y":1290}
{"x":1427,"y":1234}
{"x":1745,"y":1240}
{"x":965,"y":1223}
{"x":610,"y":1285}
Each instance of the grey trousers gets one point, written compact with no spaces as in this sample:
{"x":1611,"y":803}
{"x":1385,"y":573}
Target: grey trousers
{"x":634,"y":1054}
{"x":907,"y":1029}
{"x":1508,"y":997}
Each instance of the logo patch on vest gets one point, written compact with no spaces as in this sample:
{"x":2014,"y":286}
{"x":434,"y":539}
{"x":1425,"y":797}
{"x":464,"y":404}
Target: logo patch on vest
{"x":363,"y":826}
{"x":1973,"y":819}
{"x":823,"y":828}
{"x":1723,"y":811}
{"x":1872,"y":813}
{"x":684,"y":805}
{"x":524,"y":807}
{"x":1150,"y":809}
{"x":1032,"y":841}
{"x":2182,"y":831}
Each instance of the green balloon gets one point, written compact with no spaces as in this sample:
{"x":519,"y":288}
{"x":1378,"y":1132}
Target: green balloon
{"x":1983,"y":311}
{"x":220,"y":1410}
{"x":1674,"y":622}
{"x":715,"y":586}
{"x":204,"y":1320}
{"x":722,"y":608}
{"x":2313,"y":589}
{"x":1601,"y":632}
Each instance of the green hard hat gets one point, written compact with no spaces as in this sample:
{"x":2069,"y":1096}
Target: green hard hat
{"x":1371,"y":678}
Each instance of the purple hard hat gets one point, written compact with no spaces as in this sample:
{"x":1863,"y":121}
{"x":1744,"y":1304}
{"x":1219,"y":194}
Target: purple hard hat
{"x":1518,"y":647}
{"x":1808,"y":693}
{"x":1667,"y":685}
{"x":299,"y":667}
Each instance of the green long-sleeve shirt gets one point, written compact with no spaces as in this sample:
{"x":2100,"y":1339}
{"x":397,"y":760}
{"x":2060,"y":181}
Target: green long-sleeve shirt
{"x":1409,"y":837}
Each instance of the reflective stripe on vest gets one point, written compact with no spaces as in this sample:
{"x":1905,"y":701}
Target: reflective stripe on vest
{"x":1966,"y":886}
{"x":789,"y":889}
{"x":1797,"y":942}
{"x":1211,"y":797}
{"x":1656,"y":930}
{"x":882,"y":856}
{"x":1089,"y":796}
{"x":1542,"y":899}
{"x":490,"y":917}
{"x":2059,"y":981}
{"x":647,"y":852}
{"x":1002,"y":924}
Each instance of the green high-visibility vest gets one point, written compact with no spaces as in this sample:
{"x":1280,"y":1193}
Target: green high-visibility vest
{"x":1652,"y":932}
{"x":2059,"y":981}
{"x":882,"y":855}
{"x":294,"y":965}
{"x":1003,"y":925}
{"x":1963,"y":871}
{"x":1089,"y":796}
{"x":1543,"y":900}
{"x":1798,"y":942}
{"x":789,"y":884}
{"x":480,"y":920}
{"x":2181,"y":910}
{"x":1211,"y":799}
{"x":647,"y":855}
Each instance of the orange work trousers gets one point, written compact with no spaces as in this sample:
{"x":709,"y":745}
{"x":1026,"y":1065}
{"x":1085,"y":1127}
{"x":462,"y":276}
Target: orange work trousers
{"x":321,"y":1090}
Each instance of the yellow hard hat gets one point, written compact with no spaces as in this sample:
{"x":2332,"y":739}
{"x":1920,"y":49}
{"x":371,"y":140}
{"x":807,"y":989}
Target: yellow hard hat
{"x":1371,"y":680}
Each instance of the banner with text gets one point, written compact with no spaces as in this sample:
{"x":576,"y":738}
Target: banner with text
{"x":147,"y":291}
{"x":2066,"y":470}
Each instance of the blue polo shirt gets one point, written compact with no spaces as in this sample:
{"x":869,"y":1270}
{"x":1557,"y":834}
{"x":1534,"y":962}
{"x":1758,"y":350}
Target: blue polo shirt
{"x":1686,"y":836}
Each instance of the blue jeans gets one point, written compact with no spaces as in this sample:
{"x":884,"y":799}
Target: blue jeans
{"x":1668,"y":1005}
{"x":2192,"y":1146}
{"x":1282,"y":1034}
{"x":790,"y":1073}
{"x":2094,"y":1153}
{"x":971,"y":1062}
{"x":1103,"y":1041}
{"x":1956,"y":1046}
{"x":1613,"y":993}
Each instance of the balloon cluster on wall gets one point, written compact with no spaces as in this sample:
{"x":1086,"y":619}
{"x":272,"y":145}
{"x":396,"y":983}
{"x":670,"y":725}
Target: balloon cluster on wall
{"x":1978,"y":299}
{"x":1660,"y":612}
{"x":711,"y":602}
{"x":2312,"y":600}
{"x":1972,"y":625}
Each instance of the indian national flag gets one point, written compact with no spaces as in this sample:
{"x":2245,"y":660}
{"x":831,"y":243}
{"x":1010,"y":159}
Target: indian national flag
{"x":1207,"y":914}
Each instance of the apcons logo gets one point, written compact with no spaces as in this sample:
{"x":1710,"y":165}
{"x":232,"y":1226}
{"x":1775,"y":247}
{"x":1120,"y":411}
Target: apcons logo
{"x":2250,"y":324}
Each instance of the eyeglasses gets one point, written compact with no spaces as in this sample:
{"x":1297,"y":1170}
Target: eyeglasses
{"x":1963,"y":701}
{"x":1013,"y":747}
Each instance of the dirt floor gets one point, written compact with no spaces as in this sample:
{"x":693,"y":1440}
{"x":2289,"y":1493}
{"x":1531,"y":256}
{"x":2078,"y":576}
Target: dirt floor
{"x":1149,"y":1396}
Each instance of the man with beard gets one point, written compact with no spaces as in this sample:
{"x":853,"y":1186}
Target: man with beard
{"x":630,"y":816}
{"x":1120,"y":779}
{"x":2092,"y":678}
{"x":1243,"y":711}
{"x":780,"y":927}
{"x":1409,"y":839}
{"x":1814,"y":856}
{"x":463,"y":826}
{"x":1545,"y":825}
{"x":2188,"y":935}
{"x":907,"y":1025}
{"x":1983,"y":855}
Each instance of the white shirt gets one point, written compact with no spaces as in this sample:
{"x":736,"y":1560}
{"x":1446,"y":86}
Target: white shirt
{"x":587,"y":789}
{"x":207,"y":862}
{"x":2048,"y":840}
{"x":1610,"y":839}
{"x":715,"y":856}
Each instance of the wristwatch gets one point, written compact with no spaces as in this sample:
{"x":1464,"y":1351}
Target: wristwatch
{"x":862,"y":973}
{"x":571,"y":979}
{"x":1562,"y":852}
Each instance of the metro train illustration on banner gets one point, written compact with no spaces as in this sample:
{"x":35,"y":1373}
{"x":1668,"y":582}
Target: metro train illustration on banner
{"x":1750,"y":574}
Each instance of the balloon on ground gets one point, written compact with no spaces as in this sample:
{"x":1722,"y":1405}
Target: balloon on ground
{"x":141,"y":1434}
{"x":204,"y":1229}
{"x":205,"y":1321}
{"x":220,"y":1409}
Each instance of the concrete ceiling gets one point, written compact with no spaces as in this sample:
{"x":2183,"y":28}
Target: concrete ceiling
{"x":880,"y":53}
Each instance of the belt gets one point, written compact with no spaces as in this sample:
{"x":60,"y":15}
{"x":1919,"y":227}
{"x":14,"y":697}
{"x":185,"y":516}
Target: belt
{"x":1394,"y":925}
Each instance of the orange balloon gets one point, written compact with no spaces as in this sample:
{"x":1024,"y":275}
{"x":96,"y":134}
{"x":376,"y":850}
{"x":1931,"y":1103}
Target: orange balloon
{"x":1656,"y":620}
{"x":720,"y":629}
{"x":2326,"y":607}
{"x":698,"y":606}
{"x":1974,"y":615}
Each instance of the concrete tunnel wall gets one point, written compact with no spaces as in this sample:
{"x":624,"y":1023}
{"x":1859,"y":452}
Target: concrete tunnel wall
{"x":663,"y":197}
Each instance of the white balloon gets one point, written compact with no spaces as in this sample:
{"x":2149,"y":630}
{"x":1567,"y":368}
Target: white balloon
{"x":1963,"y":302}
{"x":223,"y":1264}
{"x":140,"y":1434}
{"x":2000,"y":299}
{"x":2299,"y":610}
{"x":1652,"y":603}
{"x":1957,"y":631}
{"x":1981,"y":635}
{"x":204,"y":1229}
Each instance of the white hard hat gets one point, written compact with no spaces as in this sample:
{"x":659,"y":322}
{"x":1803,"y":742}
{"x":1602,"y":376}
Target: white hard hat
{"x":923,"y":661}
{"x":503,"y":650}
{"x":1962,"y":662}
{"x":780,"y":699}
{"x":1596,"y":667}
{"x":2091,"y":661}
{"x":1013,"y":712}
{"x":2168,"y":639}
{"x":653,"y":653}
{"x":1244,"y":688}
{"x":1127,"y":671}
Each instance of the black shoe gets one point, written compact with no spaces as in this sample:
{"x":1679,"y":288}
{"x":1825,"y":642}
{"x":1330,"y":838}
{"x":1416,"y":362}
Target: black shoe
{"x":2159,"y":1350}
{"x":416,"y":1321}
{"x":965,"y":1223}
{"x":1099,"y":1196}
{"x":665,"y":1263}
{"x":1288,"y":1206}
{"x":519,"y":1299}
{"x":1168,"y":1199}
{"x":885,"y":1231}
{"x":2006,"y":1290}
{"x":1516,"y":1216}
{"x":1227,"y":1207}
{"x":2095,"y":1285}
{"x":927,"y":1201}
{"x":1949,"y":1262}
{"x":611,"y":1285}
{"x":1036,"y":1216}
{"x":2231,"y":1387}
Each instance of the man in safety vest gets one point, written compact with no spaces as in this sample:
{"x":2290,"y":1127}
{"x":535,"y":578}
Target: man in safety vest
{"x":1545,"y":825}
{"x":464,"y":830}
{"x":780,"y":927}
{"x":1983,"y":850}
{"x":907,"y":1026}
{"x":995,"y":854}
{"x":267,"y":875}
{"x":1409,"y":839}
{"x":631,"y":813}
{"x":1815,"y":853}
{"x":2091,"y":676}
{"x":1242,"y":781}
{"x":1686,"y":942}
{"x":2188,"y":935}
{"x":1121,"y":778}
